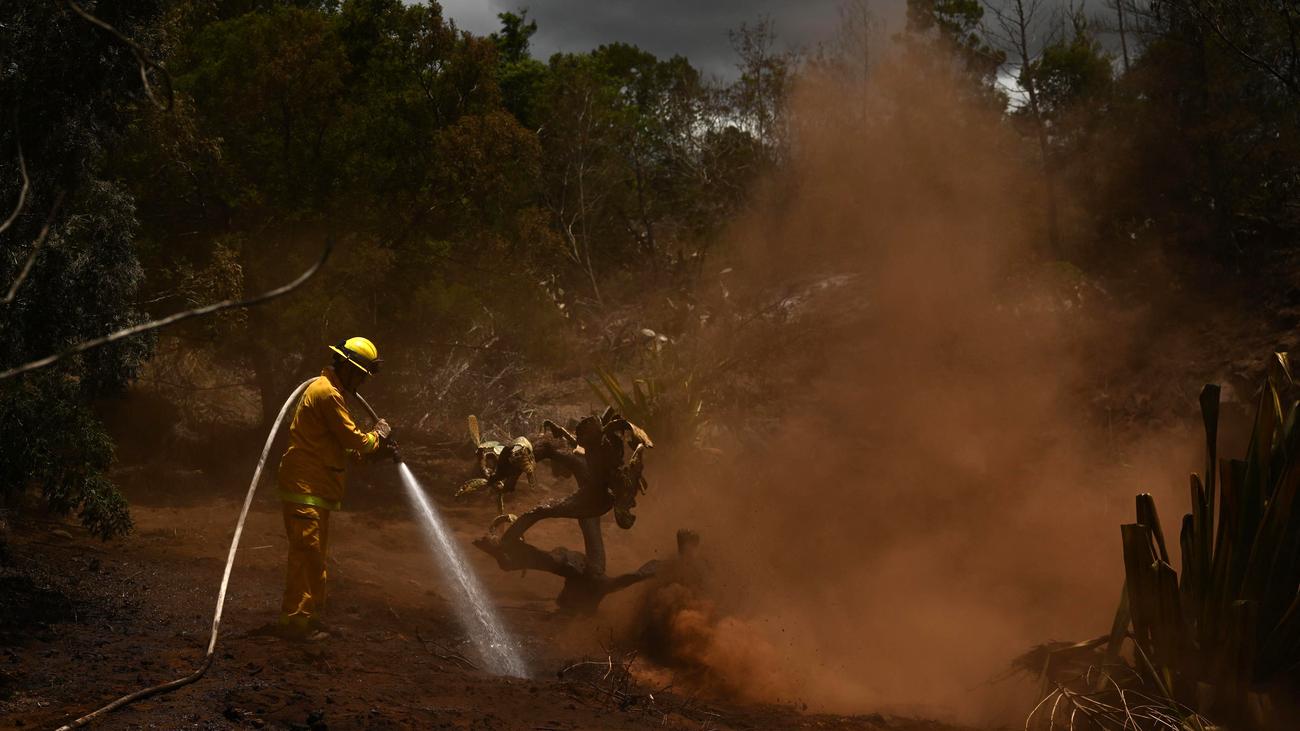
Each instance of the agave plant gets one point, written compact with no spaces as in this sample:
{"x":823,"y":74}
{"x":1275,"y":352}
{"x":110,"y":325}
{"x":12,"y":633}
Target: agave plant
{"x":1232,"y":623}
{"x":669,"y":408}
{"x":1215,"y":638}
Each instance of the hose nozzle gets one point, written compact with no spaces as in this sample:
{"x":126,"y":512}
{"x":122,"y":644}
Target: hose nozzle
{"x":387,"y":441}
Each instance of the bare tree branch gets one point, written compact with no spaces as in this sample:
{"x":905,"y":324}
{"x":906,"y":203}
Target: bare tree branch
{"x":27,"y":182}
{"x":146,"y":63}
{"x":1018,"y":24}
{"x":36,"y":249}
{"x":173,"y":319}
{"x":1123,"y":32}
{"x":1205,"y":16}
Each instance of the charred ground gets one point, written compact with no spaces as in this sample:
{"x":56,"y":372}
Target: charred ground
{"x":84,"y":622}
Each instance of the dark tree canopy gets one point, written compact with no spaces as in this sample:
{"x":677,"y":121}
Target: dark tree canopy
{"x":68,"y":92}
{"x":491,"y":203}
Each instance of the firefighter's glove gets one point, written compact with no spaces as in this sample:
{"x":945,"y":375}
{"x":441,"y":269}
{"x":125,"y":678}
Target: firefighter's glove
{"x":389,"y":448}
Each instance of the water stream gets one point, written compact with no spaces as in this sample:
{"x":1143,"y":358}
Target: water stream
{"x":496,"y":649}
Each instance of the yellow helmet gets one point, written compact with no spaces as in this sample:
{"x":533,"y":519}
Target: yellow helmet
{"x":361,"y":353}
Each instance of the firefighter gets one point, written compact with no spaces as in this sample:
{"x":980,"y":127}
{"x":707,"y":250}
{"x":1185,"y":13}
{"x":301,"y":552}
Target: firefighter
{"x":323,"y":440}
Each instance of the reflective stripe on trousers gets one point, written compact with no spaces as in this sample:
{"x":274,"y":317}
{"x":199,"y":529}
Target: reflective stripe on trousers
{"x":313,"y":500}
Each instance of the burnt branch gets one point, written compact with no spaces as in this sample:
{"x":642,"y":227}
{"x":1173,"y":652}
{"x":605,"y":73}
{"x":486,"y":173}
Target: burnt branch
{"x":612,"y":683}
{"x":585,"y":583}
{"x":173,"y":319}
{"x":442,"y":653}
{"x":594,"y":458}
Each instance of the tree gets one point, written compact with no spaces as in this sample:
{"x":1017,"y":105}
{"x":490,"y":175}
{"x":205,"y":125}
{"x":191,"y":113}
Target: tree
{"x":637,"y":169}
{"x":518,"y":74}
{"x":266,"y":88}
{"x":1071,"y":73}
{"x":660,"y":106}
{"x":375,"y":122}
{"x":1121,"y":29}
{"x":857,"y":36}
{"x":1017,"y":25}
{"x":76,"y":227}
{"x":1207,"y":145}
{"x":950,"y":29}
{"x":848,"y":59}
{"x":766,"y":78}
{"x":577,"y":157}
{"x":1260,"y":33}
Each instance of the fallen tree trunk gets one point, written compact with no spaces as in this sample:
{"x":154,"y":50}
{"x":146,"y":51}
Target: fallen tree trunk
{"x":585,"y":581}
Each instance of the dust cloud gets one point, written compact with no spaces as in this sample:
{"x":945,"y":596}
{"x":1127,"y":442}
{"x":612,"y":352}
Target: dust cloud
{"x":940,"y":493}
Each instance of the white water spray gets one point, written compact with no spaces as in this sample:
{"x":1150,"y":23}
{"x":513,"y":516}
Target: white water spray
{"x":495,"y":647}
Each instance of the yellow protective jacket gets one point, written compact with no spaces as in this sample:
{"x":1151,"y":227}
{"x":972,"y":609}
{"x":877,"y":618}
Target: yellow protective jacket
{"x":323,"y":439}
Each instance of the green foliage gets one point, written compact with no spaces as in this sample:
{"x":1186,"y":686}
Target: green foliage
{"x":457,"y":172}
{"x":641,"y":162}
{"x":939,"y":27}
{"x":268,"y":86}
{"x":955,"y":19}
{"x":515,"y":37}
{"x":519,"y":75}
{"x":1194,"y":151}
{"x":60,"y":448}
{"x":373,"y":121}
{"x":1068,"y":74}
{"x":83,"y":285}
{"x":65,"y":113}
{"x":668,"y":407}
{"x":767,"y":77}
{"x":490,"y":166}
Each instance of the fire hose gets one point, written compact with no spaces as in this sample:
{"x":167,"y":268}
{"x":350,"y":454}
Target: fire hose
{"x":397,"y":456}
{"x":221,"y":595}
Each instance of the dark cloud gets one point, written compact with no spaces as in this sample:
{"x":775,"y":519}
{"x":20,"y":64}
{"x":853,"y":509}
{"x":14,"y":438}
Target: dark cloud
{"x":696,"y":29}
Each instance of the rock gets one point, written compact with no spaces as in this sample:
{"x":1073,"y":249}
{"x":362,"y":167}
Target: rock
{"x":60,"y":533}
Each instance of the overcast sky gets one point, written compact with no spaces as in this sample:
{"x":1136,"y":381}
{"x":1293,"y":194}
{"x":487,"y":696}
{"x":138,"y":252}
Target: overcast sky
{"x":696,"y":29}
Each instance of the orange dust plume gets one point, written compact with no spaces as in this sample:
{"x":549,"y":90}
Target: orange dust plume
{"x":934,"y":491}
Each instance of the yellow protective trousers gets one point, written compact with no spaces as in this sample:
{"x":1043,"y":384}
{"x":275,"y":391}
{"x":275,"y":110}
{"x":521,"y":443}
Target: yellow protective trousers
{"x":307,"y":528}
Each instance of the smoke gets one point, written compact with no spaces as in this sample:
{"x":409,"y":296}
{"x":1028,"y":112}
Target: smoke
{"x":940,"y":492}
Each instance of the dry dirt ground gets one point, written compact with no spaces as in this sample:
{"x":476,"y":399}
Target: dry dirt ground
{"x":82,"y":622}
